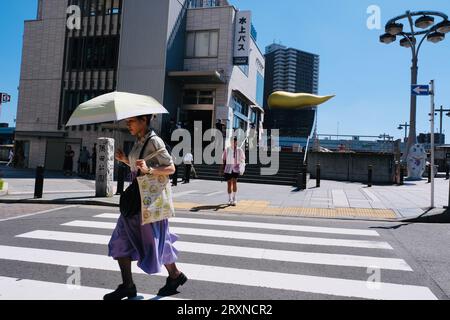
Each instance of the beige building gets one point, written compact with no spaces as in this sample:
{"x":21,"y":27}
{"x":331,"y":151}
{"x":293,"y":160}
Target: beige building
{"x":180,"y":52}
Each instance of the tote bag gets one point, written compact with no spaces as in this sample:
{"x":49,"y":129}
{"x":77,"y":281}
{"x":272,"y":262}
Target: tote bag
{"x":156,"y":196}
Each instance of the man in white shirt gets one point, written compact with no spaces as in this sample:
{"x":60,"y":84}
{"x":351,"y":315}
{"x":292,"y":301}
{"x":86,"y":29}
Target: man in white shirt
{"x":187,"y":160}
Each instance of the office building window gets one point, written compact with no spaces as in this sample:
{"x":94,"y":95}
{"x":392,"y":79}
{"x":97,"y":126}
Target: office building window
{"x":244,"y":69}
{"x":238,"y":123}
{"x":204,"y":3}
{"x":253,"y":117}
{"x":240,"y":106}
{"x":196,"y":97}
{"x":259,"y":88}
{"x":96,"y":7}
{"x":202,"y":44}
{"x":93,"y":52}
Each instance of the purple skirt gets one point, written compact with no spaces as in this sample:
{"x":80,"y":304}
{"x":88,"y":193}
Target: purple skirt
{"x":150,"y":245}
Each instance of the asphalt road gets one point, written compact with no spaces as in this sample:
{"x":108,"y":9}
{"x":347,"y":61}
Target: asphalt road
{"x":62,"y":254}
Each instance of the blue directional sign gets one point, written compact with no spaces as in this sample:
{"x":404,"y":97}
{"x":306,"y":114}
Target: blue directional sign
{"x":420,"y":90}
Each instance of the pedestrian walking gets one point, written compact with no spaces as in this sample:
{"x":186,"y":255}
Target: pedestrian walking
{"x":68,"y":160}
{"x":10,"y":157}
{"x":84,"y":161}
{"x":187,"y":160}
{"x":232,"y":167}
{"x":150,"y":245}
{"x":175,"y":177}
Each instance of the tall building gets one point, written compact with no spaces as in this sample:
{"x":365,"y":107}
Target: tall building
{"x":178,"y":51}
{"x":290,"y":70}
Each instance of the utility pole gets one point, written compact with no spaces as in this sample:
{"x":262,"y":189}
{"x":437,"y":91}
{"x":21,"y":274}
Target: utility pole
{"x":432,"y":142}
{"x":441,"y":110}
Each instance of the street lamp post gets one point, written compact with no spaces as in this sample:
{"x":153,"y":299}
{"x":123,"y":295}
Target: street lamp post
{"x":433,"y":32}
{"x":404,"y":126}
{"x":441,"y":110}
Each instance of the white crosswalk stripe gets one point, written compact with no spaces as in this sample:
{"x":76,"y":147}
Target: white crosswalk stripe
{"x":274,"y":280}
{"x":258,"y":225}
{"x":248,"y":236}
{"x":243,"y":252}
{"x":208,"y":244}
{"x":21,"y":289}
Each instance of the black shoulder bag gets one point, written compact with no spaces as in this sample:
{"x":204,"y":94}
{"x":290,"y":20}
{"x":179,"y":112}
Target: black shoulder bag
{"x":130,"y":199}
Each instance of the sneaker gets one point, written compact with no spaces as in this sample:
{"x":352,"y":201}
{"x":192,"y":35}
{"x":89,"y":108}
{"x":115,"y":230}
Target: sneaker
{"x":234,"y":203}
{"x":121,"y":292}
{"x":172,"y":285}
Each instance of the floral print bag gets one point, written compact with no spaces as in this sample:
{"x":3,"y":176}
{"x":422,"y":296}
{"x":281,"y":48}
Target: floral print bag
{"x":156,"y":196}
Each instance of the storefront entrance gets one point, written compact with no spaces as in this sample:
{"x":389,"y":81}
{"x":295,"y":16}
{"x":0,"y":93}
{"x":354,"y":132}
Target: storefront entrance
{"x":189,"y":117}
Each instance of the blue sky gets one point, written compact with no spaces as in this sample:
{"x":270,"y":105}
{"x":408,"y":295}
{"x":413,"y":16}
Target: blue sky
{"x":14,"y":12}
{"x":371,"y":80}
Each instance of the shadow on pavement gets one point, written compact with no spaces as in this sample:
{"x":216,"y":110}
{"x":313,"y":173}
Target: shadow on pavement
{"x":392,"y":227}
{"x":209,"y":208}
{"x":432,"y":217}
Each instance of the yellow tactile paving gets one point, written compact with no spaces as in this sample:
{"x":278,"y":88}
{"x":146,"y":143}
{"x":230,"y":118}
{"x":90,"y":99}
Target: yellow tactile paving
{"x":264,"y":208}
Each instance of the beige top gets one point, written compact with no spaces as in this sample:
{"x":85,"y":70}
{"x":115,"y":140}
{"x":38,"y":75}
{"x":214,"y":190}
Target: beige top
{"x":163,"y":159}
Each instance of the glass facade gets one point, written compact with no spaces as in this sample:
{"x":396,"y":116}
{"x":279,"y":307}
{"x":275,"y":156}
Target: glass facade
{"x":239,"y":123}
{"x":240,"y":106}
{"x":93,"y":53}
{"x":204,"y":3}
{"x":259,"y":89}
{"x":196,"y":97}
{"x":90,"y":55}
{"x":97,"y":7}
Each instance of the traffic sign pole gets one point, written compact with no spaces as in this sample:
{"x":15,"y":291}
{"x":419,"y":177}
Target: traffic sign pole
{"x":432,"y":142}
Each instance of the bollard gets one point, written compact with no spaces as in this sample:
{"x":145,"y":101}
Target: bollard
{"x":318,"y":175}
{"x":301,"y":178}
{"x":120,"y":179}
{"x":402,"y":175}
{"x":369,"y":178}
{"x":304,"y":173}
{"x":39,"y":182}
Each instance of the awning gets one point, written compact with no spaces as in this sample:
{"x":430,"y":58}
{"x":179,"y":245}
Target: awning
{"x":250,"y":102}
{"x":198,"y":77}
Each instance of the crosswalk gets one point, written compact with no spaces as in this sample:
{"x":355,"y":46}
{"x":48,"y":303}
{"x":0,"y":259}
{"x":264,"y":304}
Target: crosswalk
{"x":220,"y":251}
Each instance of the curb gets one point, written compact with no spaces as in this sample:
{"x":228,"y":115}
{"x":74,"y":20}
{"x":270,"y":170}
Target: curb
{"x":433,"y":216}
{"x":64,"y":202}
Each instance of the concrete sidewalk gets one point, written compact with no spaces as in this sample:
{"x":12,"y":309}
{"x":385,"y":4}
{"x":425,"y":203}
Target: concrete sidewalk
{"x":332,"y":200}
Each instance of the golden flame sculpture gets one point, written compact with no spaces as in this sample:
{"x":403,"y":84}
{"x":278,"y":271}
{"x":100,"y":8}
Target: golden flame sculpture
{"x":288,"y":100}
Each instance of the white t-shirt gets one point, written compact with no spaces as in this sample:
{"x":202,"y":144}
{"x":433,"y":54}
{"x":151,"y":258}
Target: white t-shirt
{"x":188,"y":158}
